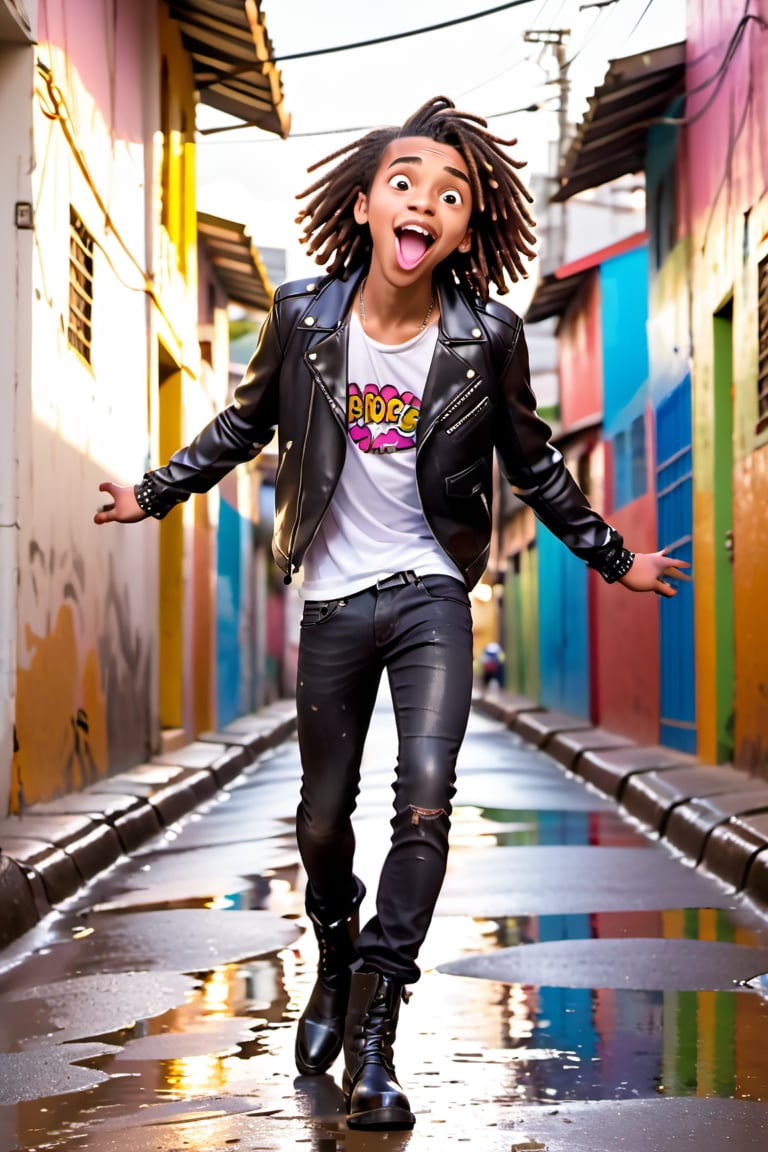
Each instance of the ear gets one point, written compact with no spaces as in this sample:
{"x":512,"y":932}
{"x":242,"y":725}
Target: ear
{"x":361,"y":209}
{"x":466,"y":244}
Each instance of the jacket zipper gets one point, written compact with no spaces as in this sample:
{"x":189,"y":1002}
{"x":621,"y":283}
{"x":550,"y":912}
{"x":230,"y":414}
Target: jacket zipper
{"x":288,"y":578}
{"x":468,"y":416}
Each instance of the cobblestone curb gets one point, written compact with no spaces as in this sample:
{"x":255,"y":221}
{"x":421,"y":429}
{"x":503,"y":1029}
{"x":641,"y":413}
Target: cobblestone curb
{"x":713,"y":815}
{"x":50,"y":851}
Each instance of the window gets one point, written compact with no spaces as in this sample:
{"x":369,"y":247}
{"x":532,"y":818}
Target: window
{"x":637,"y":456}
{"x":629,"y":463}
{"x":762,"y":346}
{"x":80,"y":286}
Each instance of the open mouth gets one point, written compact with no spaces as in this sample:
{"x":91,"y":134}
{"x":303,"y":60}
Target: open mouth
{"x":412,"y":244}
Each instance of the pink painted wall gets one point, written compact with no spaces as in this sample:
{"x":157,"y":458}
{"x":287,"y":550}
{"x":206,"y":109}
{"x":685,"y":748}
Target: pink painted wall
{"x":581,"y":368}
{"x":711,"y":27}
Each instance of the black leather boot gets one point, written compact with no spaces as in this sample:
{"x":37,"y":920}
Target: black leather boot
{"x":320,"y":1033}
{"x":373,"y":1097}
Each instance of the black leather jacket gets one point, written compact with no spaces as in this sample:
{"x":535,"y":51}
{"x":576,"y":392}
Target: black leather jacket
{"x":477,"y":398}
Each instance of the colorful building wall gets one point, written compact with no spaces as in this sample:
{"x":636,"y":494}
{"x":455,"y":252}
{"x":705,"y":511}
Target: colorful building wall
{"x":580,"y":356}
{"x":669,"y":349}
{"x":604,"y":374}
{"x":17,"y":253}
{"x":85,"y":599}
{"x":626,"y":690}
{"x":114,"y":379}
{"x":727,"y":216}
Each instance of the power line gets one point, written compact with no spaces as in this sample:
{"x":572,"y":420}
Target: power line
{"x":537,"y":107}
{"x":401,"y":35}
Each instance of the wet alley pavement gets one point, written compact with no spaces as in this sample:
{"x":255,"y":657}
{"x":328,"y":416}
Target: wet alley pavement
{"x":584,"y":989}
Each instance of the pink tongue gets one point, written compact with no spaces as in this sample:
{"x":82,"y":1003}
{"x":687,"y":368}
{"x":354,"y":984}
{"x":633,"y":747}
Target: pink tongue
{"x":411,"y":246}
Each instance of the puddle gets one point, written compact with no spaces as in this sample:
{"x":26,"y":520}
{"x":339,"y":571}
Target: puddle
{"x":519,"y":827}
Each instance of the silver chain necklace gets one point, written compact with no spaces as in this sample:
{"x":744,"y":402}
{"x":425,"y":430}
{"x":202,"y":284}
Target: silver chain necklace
{"x":424,"y":322}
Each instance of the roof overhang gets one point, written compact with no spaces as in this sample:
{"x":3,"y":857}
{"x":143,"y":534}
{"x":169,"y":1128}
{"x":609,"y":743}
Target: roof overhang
{"x":232,"y":60}
{"x":555,"y":292}
{"x":235,"y":260}
{"x":611,"y":139}
{"x":15,"y":25}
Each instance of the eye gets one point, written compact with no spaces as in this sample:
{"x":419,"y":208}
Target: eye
{"x":452,"y":197}
{"x":400,"y":183}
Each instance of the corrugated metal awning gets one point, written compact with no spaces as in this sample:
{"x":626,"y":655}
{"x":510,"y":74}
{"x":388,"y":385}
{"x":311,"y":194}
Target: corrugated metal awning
{"x":15,"y":25}
{"x":236,"y":261}
{"x":232,"y":60}
{"x":554,"y":293}
{"x":610,"y":141}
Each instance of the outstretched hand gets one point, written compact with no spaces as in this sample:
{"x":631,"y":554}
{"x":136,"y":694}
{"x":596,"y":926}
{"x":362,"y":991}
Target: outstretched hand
{"x":648,"y":570}
{"x":124,"y":508}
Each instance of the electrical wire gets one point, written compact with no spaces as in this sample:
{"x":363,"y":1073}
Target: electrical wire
{"x":353,"y":128}
{"x":728,"y":163}
{"x":56,"y":110}
{"x":400,"y":35}
{"x":718,"y":76}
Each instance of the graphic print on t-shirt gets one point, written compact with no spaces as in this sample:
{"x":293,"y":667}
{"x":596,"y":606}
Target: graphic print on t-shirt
{"x":382,"y":420}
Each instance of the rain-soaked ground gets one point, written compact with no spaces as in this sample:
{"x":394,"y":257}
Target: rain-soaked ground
{"x":583,"y":990}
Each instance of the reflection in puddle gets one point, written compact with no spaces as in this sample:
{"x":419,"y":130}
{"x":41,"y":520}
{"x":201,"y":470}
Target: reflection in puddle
{"x":486,"y":1043}
{"x":482,"y":1043}
{"x":515,"y":828}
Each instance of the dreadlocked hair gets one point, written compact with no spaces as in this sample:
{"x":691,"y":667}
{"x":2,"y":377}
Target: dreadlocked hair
{"x":501,"y":224}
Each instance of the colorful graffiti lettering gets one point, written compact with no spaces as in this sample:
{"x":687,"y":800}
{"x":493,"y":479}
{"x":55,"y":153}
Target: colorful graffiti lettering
{"x":382,"y":420}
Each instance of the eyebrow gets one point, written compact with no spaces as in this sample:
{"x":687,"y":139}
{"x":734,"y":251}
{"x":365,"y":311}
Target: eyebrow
{"x":417,"y":160}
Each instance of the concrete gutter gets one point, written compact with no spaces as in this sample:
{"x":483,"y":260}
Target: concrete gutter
{"x":53,"y":849}
{"x":714,"y":816}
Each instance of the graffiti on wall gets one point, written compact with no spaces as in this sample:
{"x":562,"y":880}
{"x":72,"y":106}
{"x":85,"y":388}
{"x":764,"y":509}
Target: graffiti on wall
{"x":82,"y":692}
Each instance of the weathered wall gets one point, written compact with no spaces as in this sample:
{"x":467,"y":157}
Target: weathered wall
{"x":87,"y":596}
{"x":727,"y":149}
{"x":16,"y":256}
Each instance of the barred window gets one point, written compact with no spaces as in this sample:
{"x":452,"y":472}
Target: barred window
{"x":629,"y":463}
{"x":762,"y":347}
{"x":80,"y":286}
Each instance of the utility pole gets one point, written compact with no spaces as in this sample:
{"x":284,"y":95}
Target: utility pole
{"x":557,"y":38}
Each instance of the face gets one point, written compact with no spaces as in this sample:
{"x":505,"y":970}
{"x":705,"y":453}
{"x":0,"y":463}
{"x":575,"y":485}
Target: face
{"x":418,"y":208}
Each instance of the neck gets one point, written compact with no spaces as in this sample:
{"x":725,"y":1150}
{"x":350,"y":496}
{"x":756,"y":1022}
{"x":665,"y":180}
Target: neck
{"x":391,"y":314}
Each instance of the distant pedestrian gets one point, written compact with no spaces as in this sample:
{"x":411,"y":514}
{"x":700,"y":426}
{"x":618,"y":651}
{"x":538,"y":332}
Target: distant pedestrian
{"x":390,"y":382}
{"x":492,"y":662}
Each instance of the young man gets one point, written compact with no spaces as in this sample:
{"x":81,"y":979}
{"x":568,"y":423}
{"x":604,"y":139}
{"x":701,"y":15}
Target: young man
{"x":391,"y":382}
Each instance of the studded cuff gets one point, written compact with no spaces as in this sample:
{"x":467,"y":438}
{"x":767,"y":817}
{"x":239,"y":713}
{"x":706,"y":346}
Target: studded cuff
{"x":617,"y":563}
{"x":151,"y":501}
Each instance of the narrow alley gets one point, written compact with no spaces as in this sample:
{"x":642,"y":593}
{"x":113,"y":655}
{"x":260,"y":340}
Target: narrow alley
{"x":573,"y":966}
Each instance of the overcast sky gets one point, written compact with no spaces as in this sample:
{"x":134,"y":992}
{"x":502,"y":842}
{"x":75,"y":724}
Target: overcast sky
{"x":484,"y":65}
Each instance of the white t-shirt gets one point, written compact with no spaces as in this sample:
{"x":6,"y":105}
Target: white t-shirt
{"x":375,"y":526}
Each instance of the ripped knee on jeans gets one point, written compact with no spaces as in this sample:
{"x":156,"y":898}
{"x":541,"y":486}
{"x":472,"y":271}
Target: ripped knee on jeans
{"x":418,"y":814}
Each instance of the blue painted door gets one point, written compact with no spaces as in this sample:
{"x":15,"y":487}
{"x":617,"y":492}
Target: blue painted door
{"x":563,"y":626}
{"x":674,"y":488}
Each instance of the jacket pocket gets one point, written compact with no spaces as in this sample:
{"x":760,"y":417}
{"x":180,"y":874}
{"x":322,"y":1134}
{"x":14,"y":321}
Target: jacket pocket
{"x":467,"y":483}
{"x":320,"y":612}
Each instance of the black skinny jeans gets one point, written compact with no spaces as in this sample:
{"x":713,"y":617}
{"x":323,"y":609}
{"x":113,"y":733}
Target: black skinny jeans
{"x":421,"y":632}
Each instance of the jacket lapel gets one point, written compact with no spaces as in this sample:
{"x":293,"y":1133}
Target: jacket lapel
{"x":458,"y":360}
{"x":326,"y":353}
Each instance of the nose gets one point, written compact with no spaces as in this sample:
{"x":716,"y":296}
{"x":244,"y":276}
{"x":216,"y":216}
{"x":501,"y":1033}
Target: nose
{"x":421,"y":202}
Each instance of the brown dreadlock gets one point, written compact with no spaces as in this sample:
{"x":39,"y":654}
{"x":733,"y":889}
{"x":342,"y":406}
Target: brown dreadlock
{"x":500,"y":223}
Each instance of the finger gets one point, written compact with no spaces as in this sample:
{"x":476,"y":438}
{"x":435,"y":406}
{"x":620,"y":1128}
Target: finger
{"x":107,"y":486}
{"x":676,"y":574}
{"x":662,"y":589}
